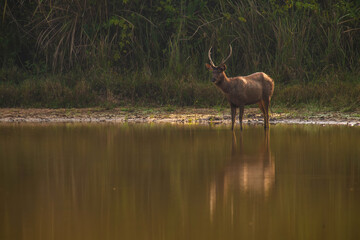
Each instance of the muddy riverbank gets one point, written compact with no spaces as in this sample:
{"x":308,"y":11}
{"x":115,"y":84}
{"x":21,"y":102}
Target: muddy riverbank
{"x":174,"y":115}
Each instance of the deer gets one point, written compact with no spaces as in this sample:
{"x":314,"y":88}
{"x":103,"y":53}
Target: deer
{"x":249,"y":171}
{"x":242,"y":90}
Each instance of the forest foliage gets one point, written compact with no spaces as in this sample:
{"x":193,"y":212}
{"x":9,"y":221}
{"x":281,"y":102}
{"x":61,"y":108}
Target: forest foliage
{"x":77,"y":52}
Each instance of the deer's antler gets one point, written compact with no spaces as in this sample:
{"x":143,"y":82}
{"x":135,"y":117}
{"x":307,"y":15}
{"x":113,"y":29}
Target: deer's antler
{"x":224,"y":60}
{"x":209,"y":55}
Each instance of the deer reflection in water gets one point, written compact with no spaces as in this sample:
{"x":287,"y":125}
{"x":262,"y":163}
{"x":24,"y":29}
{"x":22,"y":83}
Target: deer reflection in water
{"x":247,"y":172}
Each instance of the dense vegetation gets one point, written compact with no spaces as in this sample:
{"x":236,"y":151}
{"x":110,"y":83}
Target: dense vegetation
{"x":74,"y":53}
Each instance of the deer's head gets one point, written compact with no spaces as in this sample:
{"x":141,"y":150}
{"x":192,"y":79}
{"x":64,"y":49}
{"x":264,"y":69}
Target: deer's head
{"x":217,"y":71}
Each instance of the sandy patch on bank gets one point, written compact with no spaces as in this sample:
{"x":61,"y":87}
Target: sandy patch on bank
{"x":176,"y":115}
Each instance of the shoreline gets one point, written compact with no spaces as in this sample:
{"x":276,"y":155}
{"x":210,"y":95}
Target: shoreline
{"x":176,"y":115}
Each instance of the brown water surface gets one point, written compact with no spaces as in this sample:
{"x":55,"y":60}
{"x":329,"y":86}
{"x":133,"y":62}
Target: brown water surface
{"x":118,"y":181}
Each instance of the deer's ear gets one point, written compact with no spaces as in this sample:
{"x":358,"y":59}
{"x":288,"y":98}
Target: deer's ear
{"x":223,"y":67}
{"x":208,"y":66}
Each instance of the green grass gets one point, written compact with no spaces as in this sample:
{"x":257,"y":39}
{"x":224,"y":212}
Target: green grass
{"x":336,"y":95}
{"x":108,"y":90}
{"x":169,"y":108}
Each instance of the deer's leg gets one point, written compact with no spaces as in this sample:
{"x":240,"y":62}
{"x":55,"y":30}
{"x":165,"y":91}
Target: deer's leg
{"x":233,"y":113}
{"x":266,"y":104}
{"x":241,"y":114}
{"x":261,"y":106}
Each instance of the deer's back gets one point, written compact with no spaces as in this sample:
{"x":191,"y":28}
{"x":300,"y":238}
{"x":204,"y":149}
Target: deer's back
{"x":267,"y":84}
{"x":251,"y":89}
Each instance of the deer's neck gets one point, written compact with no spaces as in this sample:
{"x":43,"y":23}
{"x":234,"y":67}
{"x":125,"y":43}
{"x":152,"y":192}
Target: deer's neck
{"x":224,"y":83}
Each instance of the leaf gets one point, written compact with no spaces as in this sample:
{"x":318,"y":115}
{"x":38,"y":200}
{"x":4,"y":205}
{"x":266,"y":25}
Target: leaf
{"x":242,"y":19}
{"x":227,"y":15}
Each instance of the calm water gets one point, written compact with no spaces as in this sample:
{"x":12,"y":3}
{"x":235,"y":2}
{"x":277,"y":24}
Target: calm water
{"x":114,"y":181}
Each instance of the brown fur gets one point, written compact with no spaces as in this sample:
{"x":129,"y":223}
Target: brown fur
{"x":244,"y":90}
